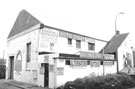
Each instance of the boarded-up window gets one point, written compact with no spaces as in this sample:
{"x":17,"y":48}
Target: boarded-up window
{"x":69,"y":41}
{"x":78,"y":44}
{"x":28,"y":55}
{"x":67,"y":62}
{"x":91,"y":46}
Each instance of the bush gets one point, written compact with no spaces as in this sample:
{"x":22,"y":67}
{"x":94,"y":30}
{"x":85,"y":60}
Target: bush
{"x":115,"y":81}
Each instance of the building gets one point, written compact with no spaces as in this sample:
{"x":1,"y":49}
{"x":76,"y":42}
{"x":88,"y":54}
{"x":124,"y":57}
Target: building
{"x":123,"y":47}
{"x":49,"y":57}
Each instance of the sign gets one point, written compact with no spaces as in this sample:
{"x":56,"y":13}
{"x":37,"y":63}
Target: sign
{"x":49,"y":35}
{"x":90,"y":40}
{"x":65,"y":34}
{"x":91,"y":55}
{"x":51,"y":68}
{"x":95,"y":63}
{"x":78,"y":63}
{"x":108,"y":63}
{"x":71,"y":35}
{"x":46,"y":59}
{"x":41,"y":70}
{"x":34,"y":74}
{"x":48,"y":38}
{"x":109,"y":56}
{"x":78,"y":37}
{"x":60,"y":71}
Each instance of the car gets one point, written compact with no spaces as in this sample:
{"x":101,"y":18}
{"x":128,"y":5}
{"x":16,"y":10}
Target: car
{"x":128,"y":70}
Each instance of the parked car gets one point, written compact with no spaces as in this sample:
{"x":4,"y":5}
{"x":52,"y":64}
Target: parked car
{"x":129,"y":71}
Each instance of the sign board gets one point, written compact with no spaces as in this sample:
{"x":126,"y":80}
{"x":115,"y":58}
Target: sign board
{"x":60,"y":70}
{"x":95,"y":63}
{"x":71,"y":35}
{"x":34,"y":74}
{"x":49,"y":35}
{"x":108,"y":56}
{"x":65,"y":34}
{"x":41,"y":70}
{"x":51,"y":68}
{"x":90,"y":40}
{"x":108,"y":63}
{"x":78,"y":63}
{"x":46,"y":59}
{"x":91,"y":55}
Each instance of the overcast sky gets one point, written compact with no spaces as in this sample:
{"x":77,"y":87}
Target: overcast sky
{"x":94,"y":18}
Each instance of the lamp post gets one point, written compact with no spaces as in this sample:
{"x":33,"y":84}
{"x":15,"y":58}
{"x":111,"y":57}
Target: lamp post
{"x":116,"y":21}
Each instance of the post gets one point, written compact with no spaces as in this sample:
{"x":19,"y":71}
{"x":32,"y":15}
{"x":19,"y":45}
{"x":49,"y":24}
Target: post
{"x":103,"y":63}
{"x":116,"y":21}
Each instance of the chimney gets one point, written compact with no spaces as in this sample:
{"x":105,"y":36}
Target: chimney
{"x":117,"y":32}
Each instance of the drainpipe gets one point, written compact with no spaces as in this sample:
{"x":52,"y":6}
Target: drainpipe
{"x":117,"y":61}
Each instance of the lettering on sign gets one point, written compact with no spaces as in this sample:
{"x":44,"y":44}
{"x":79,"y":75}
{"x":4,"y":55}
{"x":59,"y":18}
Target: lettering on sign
{"x":41,"y":70}
{"x":87,"y":39}
{"x":78,"y":63}
{"x":65,"y":34}
{"x":108,"y":63}
{"x":95,"y":63}
{"x":78,"y":37}
{"x":109,"y":56}
{"x":49,"y":35}
{"x":46,"y":59}
{"x":51,"y":68}
{"x":71,"y":35}
{"x":60,"y":71}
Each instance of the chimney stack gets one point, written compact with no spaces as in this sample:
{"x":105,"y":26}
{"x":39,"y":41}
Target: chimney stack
{"x":117,"y":32}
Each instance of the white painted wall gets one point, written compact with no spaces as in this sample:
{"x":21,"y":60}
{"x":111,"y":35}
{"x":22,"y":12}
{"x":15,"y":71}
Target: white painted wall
{"x":71,"y":74}
{"x":62,"y":46}
{"x":19,"y":43}
{"x":124,"y":48}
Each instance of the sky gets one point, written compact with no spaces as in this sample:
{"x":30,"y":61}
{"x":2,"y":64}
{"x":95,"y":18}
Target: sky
{"x":94,"y":18}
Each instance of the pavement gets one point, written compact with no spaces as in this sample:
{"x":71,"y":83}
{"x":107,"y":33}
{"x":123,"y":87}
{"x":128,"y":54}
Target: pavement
{"x":12,"y":84}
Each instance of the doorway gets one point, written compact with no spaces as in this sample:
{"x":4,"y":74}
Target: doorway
{"x":46,"y":74}
{"x":11,"y":67}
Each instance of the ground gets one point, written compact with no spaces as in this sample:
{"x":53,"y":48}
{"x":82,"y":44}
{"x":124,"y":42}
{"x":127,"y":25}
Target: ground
{"x":11,"y":84}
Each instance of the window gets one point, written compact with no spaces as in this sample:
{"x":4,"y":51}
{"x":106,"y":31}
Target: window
{"x":78,"y":44}
{"x":91,"y":46}
{"x":28,"y":52}
{"x":67,"y":62}
{"x":88,"y":62}
{"x":69,"y":41}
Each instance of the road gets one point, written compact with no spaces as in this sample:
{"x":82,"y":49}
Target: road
{"x":11,"y":84}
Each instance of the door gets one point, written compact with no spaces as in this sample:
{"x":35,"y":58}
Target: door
{"x":11,"y":66}
{"x":46,"y":75}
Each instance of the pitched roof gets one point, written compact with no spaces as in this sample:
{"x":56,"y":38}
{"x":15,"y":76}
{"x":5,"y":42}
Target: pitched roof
{"x":23,"y":22}
{"x":114,"y":43}
{"x":26,"y":20}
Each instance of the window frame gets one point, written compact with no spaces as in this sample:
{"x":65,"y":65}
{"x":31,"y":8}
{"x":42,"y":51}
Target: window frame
{"x":78,"y":44}
{"x":28,"y":52}
{"x":91,"y":46}
{"x":69,"y":40}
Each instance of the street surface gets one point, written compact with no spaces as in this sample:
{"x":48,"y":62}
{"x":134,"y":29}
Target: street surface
{"x":11,"y":84}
